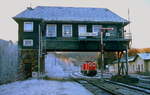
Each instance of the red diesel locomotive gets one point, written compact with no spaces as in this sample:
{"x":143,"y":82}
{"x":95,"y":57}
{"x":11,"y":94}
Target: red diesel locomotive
{"x":89,"y":68}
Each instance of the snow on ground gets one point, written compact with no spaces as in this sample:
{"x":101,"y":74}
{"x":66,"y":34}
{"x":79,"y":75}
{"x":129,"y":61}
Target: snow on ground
{"x":57,"y":68}
{"x":43,"y":87}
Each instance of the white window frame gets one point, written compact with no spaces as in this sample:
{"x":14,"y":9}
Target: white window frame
{"x":98,"y":34}
{"x":47,"y":35}
{"x":25,"y":30}
{"x":24,"y":42}
{"x":63,"y":30}
{"x":85,"y":32}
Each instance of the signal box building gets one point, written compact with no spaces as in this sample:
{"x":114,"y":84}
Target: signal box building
{"x":44,"y":29}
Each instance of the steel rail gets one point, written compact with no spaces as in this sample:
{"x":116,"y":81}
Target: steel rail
{"x":99,"y":87}
{"x":142,"y":89}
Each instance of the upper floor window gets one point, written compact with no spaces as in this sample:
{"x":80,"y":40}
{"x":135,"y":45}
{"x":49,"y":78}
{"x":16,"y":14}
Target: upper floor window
{"x":51,"y":30}
{"x":112,"y":33}
{"x":67,"y":31}
{"x":96,"y":29}
{"x":82,"y":30}
{"x":27,"y":42}
{"x":28,"y":26}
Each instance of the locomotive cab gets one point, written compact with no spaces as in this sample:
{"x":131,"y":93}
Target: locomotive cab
{"x":89,"y":68}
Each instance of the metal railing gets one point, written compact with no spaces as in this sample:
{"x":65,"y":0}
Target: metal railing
{"x":126,"y":36}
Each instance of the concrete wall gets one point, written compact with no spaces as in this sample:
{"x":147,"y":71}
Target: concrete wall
{"x":131,"y":67}
{"x":113,"y":68}
{"x":139,"y":64}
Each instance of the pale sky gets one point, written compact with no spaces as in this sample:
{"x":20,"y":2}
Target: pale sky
{"x":139,"y":15}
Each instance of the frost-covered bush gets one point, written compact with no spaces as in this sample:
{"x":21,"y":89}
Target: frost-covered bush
{"x":8,"y":61}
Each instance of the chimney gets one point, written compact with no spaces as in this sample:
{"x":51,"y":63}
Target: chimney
{"x":29,"y":8}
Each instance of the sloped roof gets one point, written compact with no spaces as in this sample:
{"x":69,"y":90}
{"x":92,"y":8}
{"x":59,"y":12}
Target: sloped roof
{"x":130,"y":59}
{"x":144,"y":56}
{"x":71,"y":14}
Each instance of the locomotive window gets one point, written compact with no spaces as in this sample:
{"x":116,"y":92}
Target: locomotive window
{"x":28,"y":26}
{"x":51,"y":30}
{"x":67,"y":31}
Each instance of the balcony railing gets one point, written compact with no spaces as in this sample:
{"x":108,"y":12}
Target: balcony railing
{"x":126,"y":36}
{"x":90,"y":43}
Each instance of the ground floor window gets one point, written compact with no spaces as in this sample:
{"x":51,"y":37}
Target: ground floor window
{"x":27,"y":42}
{"x":139,"y":68}
{"x":142,"y":68}
{"x":133,"y":68}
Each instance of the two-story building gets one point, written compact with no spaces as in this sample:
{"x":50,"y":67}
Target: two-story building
{"x":44,"y":28}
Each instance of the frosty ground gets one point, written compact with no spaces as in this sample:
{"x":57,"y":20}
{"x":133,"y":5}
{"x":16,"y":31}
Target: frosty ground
{"x":43,"y":87}
{"x":55,"y":68}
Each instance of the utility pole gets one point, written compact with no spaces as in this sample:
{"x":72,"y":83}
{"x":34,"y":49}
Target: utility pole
{"x":102,"y":53}
{"x":127,"y":61}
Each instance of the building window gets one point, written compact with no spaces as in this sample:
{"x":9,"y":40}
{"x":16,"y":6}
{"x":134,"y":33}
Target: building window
{"x":142,"y":68}
{"x":28,"y":42}
{"x":67,"y":31}
{"x":51,"y":30}
{"x":139,"y":68}
{"x":112,"y":33}
{"x":133,"y":68}
{"x":82,"y":30}
{"x":96,"y":29}
{"x":28,"y":26}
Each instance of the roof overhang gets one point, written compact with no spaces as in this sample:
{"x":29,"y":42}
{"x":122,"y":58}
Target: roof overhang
{"x":71,"y":21}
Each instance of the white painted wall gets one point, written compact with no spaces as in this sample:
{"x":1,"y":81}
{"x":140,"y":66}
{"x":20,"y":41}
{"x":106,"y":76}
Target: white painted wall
{"x":133,"y":67}
{"x":139,"y":64}
{"x":147,"y":66}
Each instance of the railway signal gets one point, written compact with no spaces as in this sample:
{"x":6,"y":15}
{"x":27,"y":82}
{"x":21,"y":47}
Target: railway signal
{"x":102,"y":30}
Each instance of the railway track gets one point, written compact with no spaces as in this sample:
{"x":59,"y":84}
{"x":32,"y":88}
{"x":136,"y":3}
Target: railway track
{"x":135,"y":87}
{"x":141,"y":85}
{"x":98,"y":87}
{"x":96,"y":90}
{"x":106,"y":87}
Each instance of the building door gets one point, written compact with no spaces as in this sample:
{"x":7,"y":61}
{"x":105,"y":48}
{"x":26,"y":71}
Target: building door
{"x":82,"y":31}
{"x":28,"y":70}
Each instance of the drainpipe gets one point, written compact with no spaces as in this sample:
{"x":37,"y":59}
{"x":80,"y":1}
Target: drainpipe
{"x":39,"y":51}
